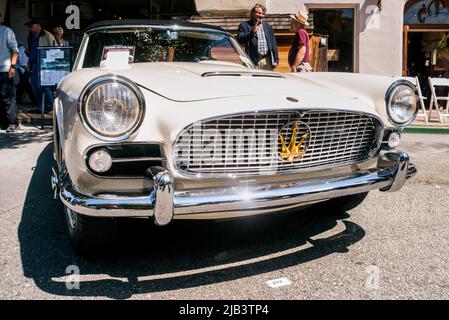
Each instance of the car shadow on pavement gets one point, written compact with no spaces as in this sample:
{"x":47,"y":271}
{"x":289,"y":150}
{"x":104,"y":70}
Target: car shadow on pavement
{"x":185,"y":254}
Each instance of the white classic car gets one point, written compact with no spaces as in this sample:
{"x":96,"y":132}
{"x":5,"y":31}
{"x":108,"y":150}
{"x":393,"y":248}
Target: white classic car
{"x":170,"y":120}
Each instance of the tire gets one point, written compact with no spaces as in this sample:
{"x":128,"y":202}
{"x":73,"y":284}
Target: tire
{"x":91,"y":236}
{"x":342,"y":204}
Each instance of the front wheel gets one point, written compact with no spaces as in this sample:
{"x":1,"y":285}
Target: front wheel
{"x":343,"y":204}
{"x":90,"y":235}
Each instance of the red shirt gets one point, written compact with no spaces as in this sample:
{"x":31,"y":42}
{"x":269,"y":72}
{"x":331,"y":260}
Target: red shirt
{"x":301,"y":39}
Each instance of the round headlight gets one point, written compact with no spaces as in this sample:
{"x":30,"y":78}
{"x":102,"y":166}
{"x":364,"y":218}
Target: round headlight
{"x":401,"y":103}
{"x":112,"y":108}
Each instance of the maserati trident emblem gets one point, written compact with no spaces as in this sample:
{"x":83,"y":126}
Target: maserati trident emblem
{"x":299,"y":130}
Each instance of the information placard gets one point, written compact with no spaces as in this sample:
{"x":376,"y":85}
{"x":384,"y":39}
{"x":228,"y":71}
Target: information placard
{"x":54,"y":63}
{"x":117,"y":56}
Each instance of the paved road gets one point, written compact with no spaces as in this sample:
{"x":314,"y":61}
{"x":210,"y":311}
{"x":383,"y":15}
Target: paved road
{"x":393,"y":246}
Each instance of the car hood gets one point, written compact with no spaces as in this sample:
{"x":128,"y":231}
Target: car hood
{"x":187,"y":82}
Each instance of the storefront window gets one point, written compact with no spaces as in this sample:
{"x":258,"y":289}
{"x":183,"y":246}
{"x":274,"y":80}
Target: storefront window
{"x":41,"y":9}
{"x":52,"y":13}
{"x":338,"y":24}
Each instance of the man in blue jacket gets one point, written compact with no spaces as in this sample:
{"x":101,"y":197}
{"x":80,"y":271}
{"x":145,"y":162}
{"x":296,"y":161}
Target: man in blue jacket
{"x":258,"y":37}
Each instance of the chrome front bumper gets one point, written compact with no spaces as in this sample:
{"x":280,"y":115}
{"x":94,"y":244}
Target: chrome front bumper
{"x":164,"y":203}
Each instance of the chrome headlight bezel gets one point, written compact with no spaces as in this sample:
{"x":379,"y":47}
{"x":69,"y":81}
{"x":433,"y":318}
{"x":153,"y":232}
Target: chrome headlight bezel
{"x":389,"y":96}
{"x":111,"y":79}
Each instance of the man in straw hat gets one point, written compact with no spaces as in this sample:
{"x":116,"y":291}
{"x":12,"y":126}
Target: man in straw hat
{"x":299,"y":53}
{"x":258,"y":37}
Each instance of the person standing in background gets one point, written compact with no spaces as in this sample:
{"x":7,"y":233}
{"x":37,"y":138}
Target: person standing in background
{"x":8,"y":59}
{"x":24,"y":85}
{"x":441,"y":70}
{"x":442,"y":67}
{"x":39,"y":37}
{"x":299,"y":53}
{"x":258,"y":37}
{"x":58,"y":32}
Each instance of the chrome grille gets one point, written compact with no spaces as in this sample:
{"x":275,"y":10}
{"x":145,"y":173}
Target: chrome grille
{"x":337,"y":138}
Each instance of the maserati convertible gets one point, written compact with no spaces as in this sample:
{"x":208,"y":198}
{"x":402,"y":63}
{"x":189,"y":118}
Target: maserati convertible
{"x":168,"y":120}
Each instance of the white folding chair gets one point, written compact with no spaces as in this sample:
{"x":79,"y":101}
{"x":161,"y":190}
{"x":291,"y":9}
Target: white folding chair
{"x":442,"y":112}
{"x":421,"y":98}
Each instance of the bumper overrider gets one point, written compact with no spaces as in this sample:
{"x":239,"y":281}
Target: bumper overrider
{"x":164,"y":203}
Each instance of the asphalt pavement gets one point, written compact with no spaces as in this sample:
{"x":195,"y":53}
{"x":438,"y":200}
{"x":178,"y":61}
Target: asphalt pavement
{"x":393,"y":246}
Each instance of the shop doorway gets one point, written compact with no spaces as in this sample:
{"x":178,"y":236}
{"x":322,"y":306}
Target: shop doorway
{"x":426,"y":45}
{"x":423,"y":58}
{"x":339,"y":25}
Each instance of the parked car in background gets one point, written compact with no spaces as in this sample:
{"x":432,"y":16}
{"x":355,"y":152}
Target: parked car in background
{"x":170,"y":120}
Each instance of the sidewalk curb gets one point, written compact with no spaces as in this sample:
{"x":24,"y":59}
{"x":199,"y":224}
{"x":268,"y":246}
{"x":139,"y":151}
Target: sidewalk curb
{"x":427,"y":130}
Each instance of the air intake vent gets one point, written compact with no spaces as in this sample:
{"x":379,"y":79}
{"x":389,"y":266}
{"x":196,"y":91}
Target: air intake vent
{"x":243,"y":74}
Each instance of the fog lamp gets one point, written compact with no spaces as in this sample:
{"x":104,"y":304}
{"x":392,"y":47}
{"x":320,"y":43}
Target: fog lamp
{"x":100,"y":161}
{"x":393,"y":140}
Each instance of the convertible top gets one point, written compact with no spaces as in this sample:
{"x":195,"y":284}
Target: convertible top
{"x":139,"y":22}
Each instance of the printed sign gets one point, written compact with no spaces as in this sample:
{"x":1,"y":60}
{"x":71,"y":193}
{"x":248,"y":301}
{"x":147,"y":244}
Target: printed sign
{"x":117,"y":56}
{"x":54,"y":64}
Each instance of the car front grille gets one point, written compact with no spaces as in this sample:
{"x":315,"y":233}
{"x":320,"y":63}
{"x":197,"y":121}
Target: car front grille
{"x":249,"y":144}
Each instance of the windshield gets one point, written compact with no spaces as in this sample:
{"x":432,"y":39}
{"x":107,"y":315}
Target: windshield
{"x":164,"y":45}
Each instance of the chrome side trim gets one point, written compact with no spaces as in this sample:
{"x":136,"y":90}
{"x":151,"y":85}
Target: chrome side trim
{"x":138,"y":159}
{"x":164,"y":203}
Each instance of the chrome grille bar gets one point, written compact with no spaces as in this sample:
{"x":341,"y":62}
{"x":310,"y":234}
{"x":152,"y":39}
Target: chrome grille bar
{"x":337,"y":138}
